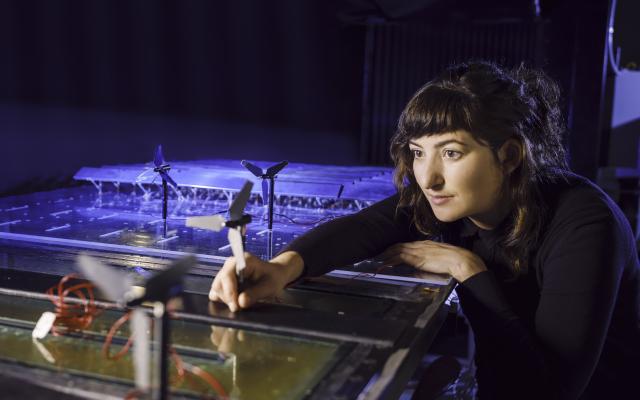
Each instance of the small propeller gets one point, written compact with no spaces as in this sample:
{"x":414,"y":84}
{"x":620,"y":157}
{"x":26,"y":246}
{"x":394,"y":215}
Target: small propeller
{"x":162,"y":167}
{"x":237,"y":221}
{"x":116,"y":286}
{"x":236,"y":213}
{"x":269,"y":174}
{"x":158,"y":289}
{"x":268,"y":189}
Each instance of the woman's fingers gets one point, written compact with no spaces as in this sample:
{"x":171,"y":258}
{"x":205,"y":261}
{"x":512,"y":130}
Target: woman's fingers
{"x":228,"y":340}
{"x":420,"y":246}
{"x":404,"y":258}
{"x":258,"y":277}
{"x":225,"y":285}
{"x":215,"y":289}
{"x":390,"y":252}
{"x":253,"y":264}
{"x":399,"y":250}
{"x":259,"y":290}
{"x":425,"y":255}
{"x":223,"y":338}
{"x":216,"y":335}
{"x":213,"y":296}
{"x":230,"y":292}
{"x":390,"y":262}
{"x":430,"y":256}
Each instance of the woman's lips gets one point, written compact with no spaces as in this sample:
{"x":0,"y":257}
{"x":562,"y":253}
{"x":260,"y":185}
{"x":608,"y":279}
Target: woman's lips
{"x":439,"y":200}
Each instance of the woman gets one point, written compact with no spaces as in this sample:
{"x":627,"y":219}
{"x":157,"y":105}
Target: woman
{"x":546,"y":263}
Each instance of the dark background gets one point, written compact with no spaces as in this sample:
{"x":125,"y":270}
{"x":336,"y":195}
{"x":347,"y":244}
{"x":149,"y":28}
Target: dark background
{"x":93,"y":82}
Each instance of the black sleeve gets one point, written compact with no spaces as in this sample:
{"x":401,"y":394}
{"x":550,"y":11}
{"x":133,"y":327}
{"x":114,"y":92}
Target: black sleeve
{"x":352,"y":238}
{"x":581,"y":261}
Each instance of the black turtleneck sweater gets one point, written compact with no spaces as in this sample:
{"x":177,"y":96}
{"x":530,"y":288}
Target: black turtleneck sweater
{"x":567,"y":328}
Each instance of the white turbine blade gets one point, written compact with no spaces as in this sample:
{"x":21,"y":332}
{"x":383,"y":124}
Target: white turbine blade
{"x":113,"y":283}
{"x":211,"y":223}
{"x":141,"y":353}
{"x":235,"y":240}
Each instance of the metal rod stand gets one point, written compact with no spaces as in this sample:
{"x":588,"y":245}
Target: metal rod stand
{"x":165,"y":200}
{"x":162,"y":332}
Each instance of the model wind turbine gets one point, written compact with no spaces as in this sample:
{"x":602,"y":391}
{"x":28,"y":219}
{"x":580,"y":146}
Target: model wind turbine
{"x":162,"y":168}
{"x":159,"y":289}
{"x":236,"y":223}
{"x":268,"y":191}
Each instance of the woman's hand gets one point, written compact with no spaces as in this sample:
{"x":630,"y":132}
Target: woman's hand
{"x":263,"y":279}
{"x":436,"y":257}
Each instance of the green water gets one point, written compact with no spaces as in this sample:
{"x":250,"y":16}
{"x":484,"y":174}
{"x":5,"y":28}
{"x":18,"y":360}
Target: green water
{"x":249,"y":365}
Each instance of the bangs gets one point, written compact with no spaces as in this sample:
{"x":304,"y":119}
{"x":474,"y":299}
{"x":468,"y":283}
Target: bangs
{"x":435,"y":110}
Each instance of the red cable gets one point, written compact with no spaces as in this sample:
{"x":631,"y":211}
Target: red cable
{"x":73,"y":317}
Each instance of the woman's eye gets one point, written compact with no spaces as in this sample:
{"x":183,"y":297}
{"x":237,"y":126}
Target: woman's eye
{"x":416,"y":153}
{"x":452,"y":154}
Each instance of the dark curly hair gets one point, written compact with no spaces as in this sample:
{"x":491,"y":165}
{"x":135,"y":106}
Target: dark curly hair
{"x":493,"y":104}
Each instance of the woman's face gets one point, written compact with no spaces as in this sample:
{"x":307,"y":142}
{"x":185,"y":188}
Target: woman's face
{"x":460,"y":177}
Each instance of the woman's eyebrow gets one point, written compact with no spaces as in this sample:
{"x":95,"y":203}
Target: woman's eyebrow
{"x":448,"y":141}
{"x":441,"y":143}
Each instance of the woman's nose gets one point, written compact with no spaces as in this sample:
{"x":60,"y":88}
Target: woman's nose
{"x":435,"y":181}
{"x":431,"y":177}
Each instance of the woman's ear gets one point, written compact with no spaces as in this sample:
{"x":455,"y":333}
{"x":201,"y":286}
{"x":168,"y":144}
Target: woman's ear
{"x":510,"y":155}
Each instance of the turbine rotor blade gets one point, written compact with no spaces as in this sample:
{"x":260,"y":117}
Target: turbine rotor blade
{"x":169,"y":180}
{"x":274,"y":169}
{"x":158,"y":159}
{"x":265,"y":191}
{"x":140,"y":325}
{"x":113,"y":283}
{"x":240,"y":202}
{"x":210,"y":223}
{"x":254,"y":169}
{"x":235,"y":240}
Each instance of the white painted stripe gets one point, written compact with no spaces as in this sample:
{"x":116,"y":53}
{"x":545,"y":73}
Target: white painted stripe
{"x":119,"y":231}
{"x":17,"y":208}
{"x":57,"y":228}
{"x":60,"y":213}
{"x":15,"y":221}
{"x":167,"y":239}
{"x":108,"y":216}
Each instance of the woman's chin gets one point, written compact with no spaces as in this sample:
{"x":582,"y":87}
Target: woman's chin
{"x":447,"y":217}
